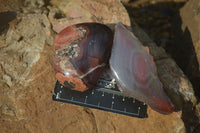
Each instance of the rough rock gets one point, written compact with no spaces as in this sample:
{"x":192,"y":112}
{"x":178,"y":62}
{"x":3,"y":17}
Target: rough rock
{"x":186,"y":45}
{"x":190,"y":31}
{"x":32,"y":110}
{"x":191,"y":21}
{"x":107,"y":12}
{"x":186,"y":51}
{"x":27,"y":78}
{"x":23,"y":46}
{"x":8,"y":5}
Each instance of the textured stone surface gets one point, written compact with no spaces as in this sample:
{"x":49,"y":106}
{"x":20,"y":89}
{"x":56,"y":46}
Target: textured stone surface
{"x":26,"y":60}
{"x":188,"y":36}
{"x":186,"y":45}
{"x":32,"y":110}
{"x":23,"y":43}
{"x":191,"y":21}
{"x":107,"y":12}
{"x":187,"y":52}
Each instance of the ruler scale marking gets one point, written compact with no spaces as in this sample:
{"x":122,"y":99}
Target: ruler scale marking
{"x":107,"y":99}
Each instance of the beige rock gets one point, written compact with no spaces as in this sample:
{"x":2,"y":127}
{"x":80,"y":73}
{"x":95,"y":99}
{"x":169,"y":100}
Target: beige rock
{"x":191,"y":20}
{"x":78,"y":11}
{"x":190,"y":40}
{"x":24,"y":41}
{"x":8,"y":80}
{"x":9,"y":5}
{"x":26,"y":59}
{"x":156,"y":123}
{"x":35,"y":111}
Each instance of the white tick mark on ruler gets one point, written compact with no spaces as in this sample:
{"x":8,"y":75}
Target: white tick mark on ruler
{"x":85,"y":99}
{"x":92,"y":92}
{"x":98,"y":104}
{"x":58,"y":96}
{"x":138,"y":110}
{"x":112,"y":105}
{"x":133,"y":100}
{"x":123,"y":99}
{"x":61,"y":86}
{"x":102,"y":94}
{"x":113,"y":96}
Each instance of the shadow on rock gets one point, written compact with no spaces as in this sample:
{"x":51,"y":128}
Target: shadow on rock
{"x":183,"y":52}
{"x":5,"y":18}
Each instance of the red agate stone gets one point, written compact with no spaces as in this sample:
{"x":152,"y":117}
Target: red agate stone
{"x":135,"y":71}
{"x":81,"y":53}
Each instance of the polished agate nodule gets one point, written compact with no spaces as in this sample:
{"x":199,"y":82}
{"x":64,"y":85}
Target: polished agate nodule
{"x":81,"y":53}
{"x":83,"y":50}
{"x":135,"y":71}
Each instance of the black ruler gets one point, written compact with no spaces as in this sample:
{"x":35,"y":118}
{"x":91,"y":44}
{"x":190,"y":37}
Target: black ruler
{"x":104,"y":96}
